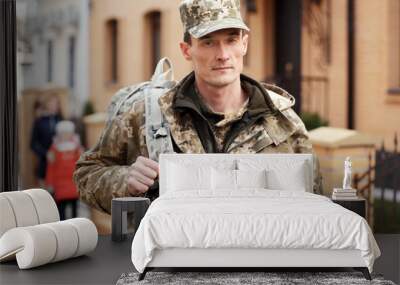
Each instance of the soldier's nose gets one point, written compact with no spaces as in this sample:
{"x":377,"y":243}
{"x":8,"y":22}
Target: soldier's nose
{"x":222,"y":53}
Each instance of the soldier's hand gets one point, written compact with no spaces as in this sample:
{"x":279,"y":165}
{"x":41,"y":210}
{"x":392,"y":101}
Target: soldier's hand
{"x":141,"y":175}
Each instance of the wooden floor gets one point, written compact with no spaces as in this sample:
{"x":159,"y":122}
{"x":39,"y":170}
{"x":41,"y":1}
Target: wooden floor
{"x":389,"y":262}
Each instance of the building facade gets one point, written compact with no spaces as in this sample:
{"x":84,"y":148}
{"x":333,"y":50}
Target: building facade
{"x":53,"y":47}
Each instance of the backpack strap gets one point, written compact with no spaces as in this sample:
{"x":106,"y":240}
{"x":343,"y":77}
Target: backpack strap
{"x":158,"y":135}
{"x":114,"y":112}
{"x":160,"y":76}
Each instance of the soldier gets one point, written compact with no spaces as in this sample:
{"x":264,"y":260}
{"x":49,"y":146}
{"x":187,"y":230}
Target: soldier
{"x":214,"y":109}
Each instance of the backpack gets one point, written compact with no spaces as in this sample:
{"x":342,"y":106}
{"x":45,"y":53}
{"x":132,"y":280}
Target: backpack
{"x":158,"y":135}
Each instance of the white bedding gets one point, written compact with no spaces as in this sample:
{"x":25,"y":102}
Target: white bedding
{"x":251,"y":218}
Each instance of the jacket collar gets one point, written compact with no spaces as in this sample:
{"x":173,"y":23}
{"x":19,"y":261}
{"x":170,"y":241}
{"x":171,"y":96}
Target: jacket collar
{"x":259,"y":100}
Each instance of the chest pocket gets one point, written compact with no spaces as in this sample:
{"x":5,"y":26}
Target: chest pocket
{"x":252,"y":141}
{"x":260,"y":142}
{"x":263,"y":141}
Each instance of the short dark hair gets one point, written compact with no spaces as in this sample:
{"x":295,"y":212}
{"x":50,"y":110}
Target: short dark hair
{"x":187,"y":38}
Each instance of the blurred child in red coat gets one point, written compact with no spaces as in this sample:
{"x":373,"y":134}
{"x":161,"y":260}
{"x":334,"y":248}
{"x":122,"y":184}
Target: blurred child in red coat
{"x":61,"y":158}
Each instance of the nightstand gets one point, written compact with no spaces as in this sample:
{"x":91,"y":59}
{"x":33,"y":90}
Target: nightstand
{"x":357,"y":205}
{"x":122,"y":210}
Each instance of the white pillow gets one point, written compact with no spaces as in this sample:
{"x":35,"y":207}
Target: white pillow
{"x":281,"y":174}
{"x":188,"y":177}
{"x":289,"y":179}
{"x":223,"y":179}
{"x":251,"y":178}
{"x":227,"y":179}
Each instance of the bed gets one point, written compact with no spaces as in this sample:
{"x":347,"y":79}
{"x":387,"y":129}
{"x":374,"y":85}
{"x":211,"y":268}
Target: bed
{"x":247,"y":211}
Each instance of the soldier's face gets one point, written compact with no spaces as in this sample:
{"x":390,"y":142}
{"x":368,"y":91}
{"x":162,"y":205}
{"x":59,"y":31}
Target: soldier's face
{"x":217,"y":58}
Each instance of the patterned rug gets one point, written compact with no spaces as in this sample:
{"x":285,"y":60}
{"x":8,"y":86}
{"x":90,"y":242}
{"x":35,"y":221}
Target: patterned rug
{"x":231,"y":278}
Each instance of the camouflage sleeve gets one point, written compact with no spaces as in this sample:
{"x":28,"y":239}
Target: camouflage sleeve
{"x":100,"y":172}
{"x":301,"y":143}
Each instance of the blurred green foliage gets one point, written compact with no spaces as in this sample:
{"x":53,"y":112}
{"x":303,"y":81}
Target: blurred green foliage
{"x":313,"y":120}
{"x":88,"y":108}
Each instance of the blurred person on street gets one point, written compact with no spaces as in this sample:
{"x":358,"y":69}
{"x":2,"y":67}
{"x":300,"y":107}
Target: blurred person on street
{"x":214,"y":109}
{"x":61,"y":158}
{"x":43,"y":131}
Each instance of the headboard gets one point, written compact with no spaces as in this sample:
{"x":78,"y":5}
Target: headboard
{"x":277,"y":162}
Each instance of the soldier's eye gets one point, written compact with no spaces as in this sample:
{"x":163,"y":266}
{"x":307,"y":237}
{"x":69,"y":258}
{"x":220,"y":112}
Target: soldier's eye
{"x":207,"y":43}
{"x":233,"y":40}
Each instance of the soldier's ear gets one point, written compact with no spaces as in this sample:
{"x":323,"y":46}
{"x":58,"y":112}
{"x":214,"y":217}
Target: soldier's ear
{"x":185,"y":48}
{"x":245,"y":43}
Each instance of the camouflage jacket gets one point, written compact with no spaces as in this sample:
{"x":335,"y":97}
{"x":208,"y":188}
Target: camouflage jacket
{"x":271,"y":126}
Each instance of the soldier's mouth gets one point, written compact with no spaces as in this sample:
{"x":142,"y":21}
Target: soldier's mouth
{"x":222,"y":68}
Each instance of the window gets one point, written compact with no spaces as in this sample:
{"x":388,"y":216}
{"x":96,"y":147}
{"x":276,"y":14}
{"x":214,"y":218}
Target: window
{"x":394,"y":47}
{"x":49,"y":61}
{"x":152,"y":41}
{"x":111,"y":51}
{"x":71,"y":63}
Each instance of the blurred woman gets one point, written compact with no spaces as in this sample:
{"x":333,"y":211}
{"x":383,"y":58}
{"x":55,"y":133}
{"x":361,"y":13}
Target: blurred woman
{"x":43,"y":132}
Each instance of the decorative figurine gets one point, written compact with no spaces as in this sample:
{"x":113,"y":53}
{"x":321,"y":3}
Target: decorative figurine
{"x":347,"y":174}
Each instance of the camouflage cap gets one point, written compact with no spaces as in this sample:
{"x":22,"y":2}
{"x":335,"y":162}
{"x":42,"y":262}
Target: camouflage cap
{"x":201,"y":17}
